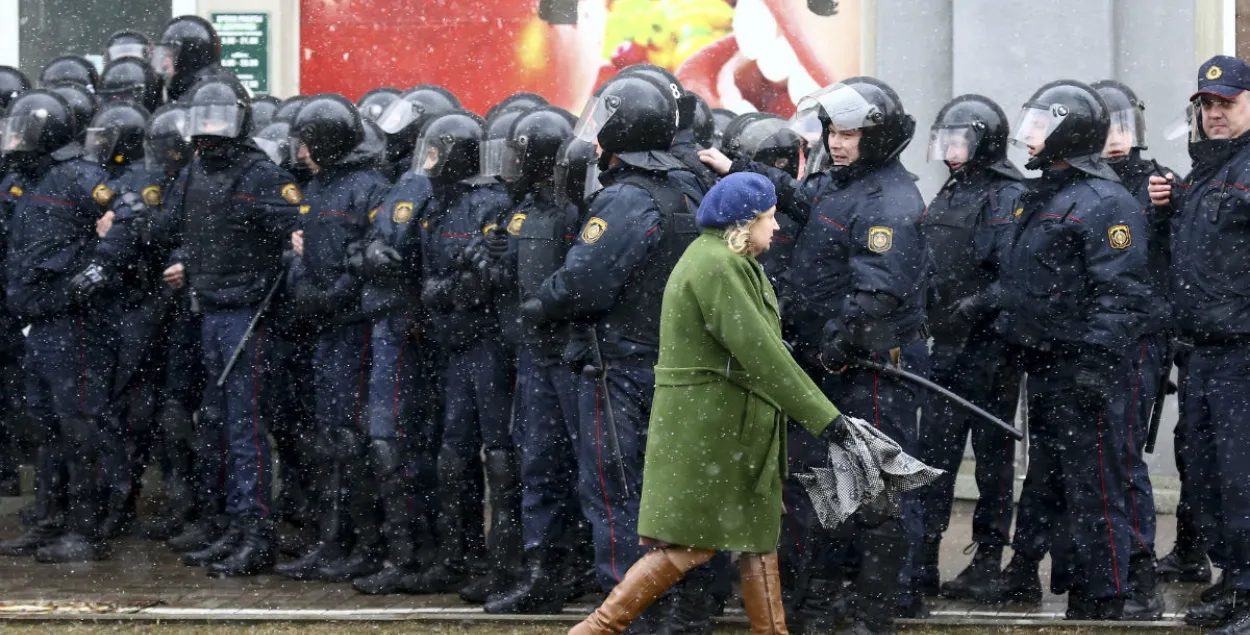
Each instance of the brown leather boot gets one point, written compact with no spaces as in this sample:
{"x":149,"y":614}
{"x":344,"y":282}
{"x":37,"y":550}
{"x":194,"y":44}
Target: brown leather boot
{"x":644,"y":583}
{"x":761,"y":593}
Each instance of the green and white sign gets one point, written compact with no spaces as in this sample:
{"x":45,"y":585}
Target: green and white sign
{"x":245,"y":47}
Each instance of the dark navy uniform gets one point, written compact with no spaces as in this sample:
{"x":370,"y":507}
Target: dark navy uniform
{"x":964,"y":225}
{"x":1211,"y":299}
{"x":1075,"y":293}
{"x":612,"y":280}
{"x":231,"y":223}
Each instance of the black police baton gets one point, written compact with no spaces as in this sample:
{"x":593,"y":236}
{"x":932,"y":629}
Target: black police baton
{"x":251,"y":327}
{"x":900,"y":374}
{"x":598,"y":371}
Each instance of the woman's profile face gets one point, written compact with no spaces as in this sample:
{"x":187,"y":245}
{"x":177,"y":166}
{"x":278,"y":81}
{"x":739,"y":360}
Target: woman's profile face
{"x":762,"y":231}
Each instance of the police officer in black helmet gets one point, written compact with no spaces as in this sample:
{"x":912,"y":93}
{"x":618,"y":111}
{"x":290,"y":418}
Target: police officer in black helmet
{"x":1075,"y":298}
{"x":123,"y":44}
{"x":403,"y":120}
{"x":373,"y":103}
{"x":130,"y":78}
{"x":966,"y":223}
{"x":230,"y":215}
{"x":70,"y":69}
{"x":189,"y":51}
{"x":857,"y":292}
{"x":611,"y":284}
{"x":12,"y":84}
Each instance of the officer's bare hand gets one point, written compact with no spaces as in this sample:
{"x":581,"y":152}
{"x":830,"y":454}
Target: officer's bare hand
{"x":297,"y":242}
{"x":716,"y":160}
{"x":1161,"y":190}
{"x":103,"y":224}
{"x":175,"y":276}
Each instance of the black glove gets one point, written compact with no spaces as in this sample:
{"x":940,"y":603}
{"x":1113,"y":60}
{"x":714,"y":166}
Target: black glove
{"x":355,"y":260}
{"x":836,"y":432}
{"x":381,"y":257}
{"x":497,"y":244}
{"x":312,"y":302}
{"x":532,"y":309}
{"x":1094,"y":367}
{"x":437,"y":293}
{"x":88,"y":281}
{"x":837,"y":350}
{"x":970,"y":311}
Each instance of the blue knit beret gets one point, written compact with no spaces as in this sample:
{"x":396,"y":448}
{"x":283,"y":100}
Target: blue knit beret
{"x":737,"y":198}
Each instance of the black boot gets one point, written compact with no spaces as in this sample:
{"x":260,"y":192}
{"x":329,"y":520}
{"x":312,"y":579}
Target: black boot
{"x":253,"y":554}
{"x":178,"y":507}
{"x":540,"y":590}
{"x":1185,"y":566}
{"x":332,"y":527}
{"x":876,"y":584}
{"x":49,"y":485}
{"x":199,"y":533}
{"x":72,"y":547}
{"x":1217,"y":590}
{"x":691,"y":611}
{"x":1144,"y":601}
{"x":1019,"y":582}
{"x":222,"y":547}
{"x":1238,"y":623}
{"x":1219,"y":611}
{"x":1084,"y":608}
{"x":398,"y":572}
{"x":928,"y":578}
{"x":448,"y":573}
{"x":41,"y":535}
{"x":119,"y":514}
{"x":81,"y":542}
{"x":985,"y":565}
{"x":504,"y":540}
{"x":368,"y":551}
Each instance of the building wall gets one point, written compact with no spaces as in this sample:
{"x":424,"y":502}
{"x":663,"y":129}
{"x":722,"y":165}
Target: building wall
{"x":50,"y":28}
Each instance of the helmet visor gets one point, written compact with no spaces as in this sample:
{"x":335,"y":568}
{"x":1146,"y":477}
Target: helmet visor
{"x":594,"y":116}
{"x":293,"y":144}
{"x":952,"y":145}
{"x":99,"y":145}
{"x":21,"y":134}
{"x":164,"y":59}
{"x":125,"y":49}
{"x":430,"y":158}
{"x":397,"y":116}
{"x":275,"y":150}
{"x":576,"y":172}
{"x":215,"y":120}
{"x":511,"y":161}
{"x":1036,"y":123}
{"x":491,"y":157}
{"x":1124,"y":134}
{"x":840,"y":105}
{"x":760,"y":134}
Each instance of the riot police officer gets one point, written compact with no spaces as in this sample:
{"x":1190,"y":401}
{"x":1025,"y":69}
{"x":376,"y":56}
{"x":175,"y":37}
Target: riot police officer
{"x":69,"y":348}
{"x":1136,"y":393}
{"x":130,"y":78}
{"x":189,"y":51}
{"x":264,"y":107}
{"x":403,"y":121}
{"x":964,"y":227}
{"x":373,"y":103}
{"x":1208,"y":296}
{"x":126,"y":43}
{"x":857,"y":292}
{"x":344,"y":190}
{"x":230,"y":213}
{"x":464,"y":321}
{"x":70,"y":69}
{"x":684,"y":146}
{"x":1075,"y":298}
{"x":12,"y":84}
{"x":545,"y":427}
{"x":610,"y":286}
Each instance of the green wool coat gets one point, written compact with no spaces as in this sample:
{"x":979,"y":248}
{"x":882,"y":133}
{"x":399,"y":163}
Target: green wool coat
{"x":724,"y":386}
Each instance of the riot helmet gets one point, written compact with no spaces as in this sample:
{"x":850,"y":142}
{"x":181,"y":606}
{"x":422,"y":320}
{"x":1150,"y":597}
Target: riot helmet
{"x":449,"y":147}
{"x":533,"y":143}
{"x":217,"y":108}
{"x":329,"y":126}
{"x":404,"y":119}
{"x":275,"y":141}
{"x":166,"y":143}
{"x":1127,"y":115}
{"x":972,"y":130}
{"x":123,"y":44}
{"x":373,"y":103}
{"x":12,"y":84}
{"x":522,"y":101}
{"x":634,"y":119}
{"x":494,"y":143}
{"x":767,"y":139}
{"x":859,"y":103}
{"x":371,"y":152}
{"x":263,"y":109}
{"x":188,"y":44}
{"x":70,"y":69}
{"x":721,"y":118}
{"x":37,"y":123}
{"x":289,"y":108}
{"x":686,"y":100}
{"x":704,"y":124}
{"x":576,"y":172}
{"x":82,"y":103}
{"x":132,"y":79}
{"x":116,"y":133}
{"x":1070,"y":119}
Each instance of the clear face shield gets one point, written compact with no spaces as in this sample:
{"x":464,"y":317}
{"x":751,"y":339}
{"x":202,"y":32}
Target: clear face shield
{"x":293,"y":145}
{"x":430,"y":156}
{"x":397,"y":116}
{"x":125,"y":49}
{"x":838,"y":104}
{"x":215,"y":120}
{"x":594,"y":116}
{"x":490,"y":158}
{"x":1035,"y":124}
{"x":168,"y":153}
{"x":164,"y":59}
{"x":576,"y":172}
{"x":21,"y":134}
{"x":1123,"y":135}
{"x":99,"y":145}
{"x":955,"y":146}
{"x":1180,"y":127}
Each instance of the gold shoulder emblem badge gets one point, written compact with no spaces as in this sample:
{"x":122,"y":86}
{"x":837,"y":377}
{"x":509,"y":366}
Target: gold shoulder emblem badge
{"x":402,"y":213}
{"x":880,"y":239}
{"x":1120,"y":236}
{"x":152,"y":196}
{"x":291,"y":193}
{"x":102,"y":195}
{"x":594,"y":229}
{"x":514,"y":225}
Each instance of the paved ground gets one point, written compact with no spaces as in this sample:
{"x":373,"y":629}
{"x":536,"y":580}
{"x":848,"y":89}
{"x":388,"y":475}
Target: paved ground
{"x":145,"y":580}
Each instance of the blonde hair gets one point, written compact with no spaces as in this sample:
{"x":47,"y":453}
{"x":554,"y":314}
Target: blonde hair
{"x":738,"y":237}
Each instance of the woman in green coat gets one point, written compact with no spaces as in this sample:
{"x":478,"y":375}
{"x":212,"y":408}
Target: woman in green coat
{"x":724,"y":386}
